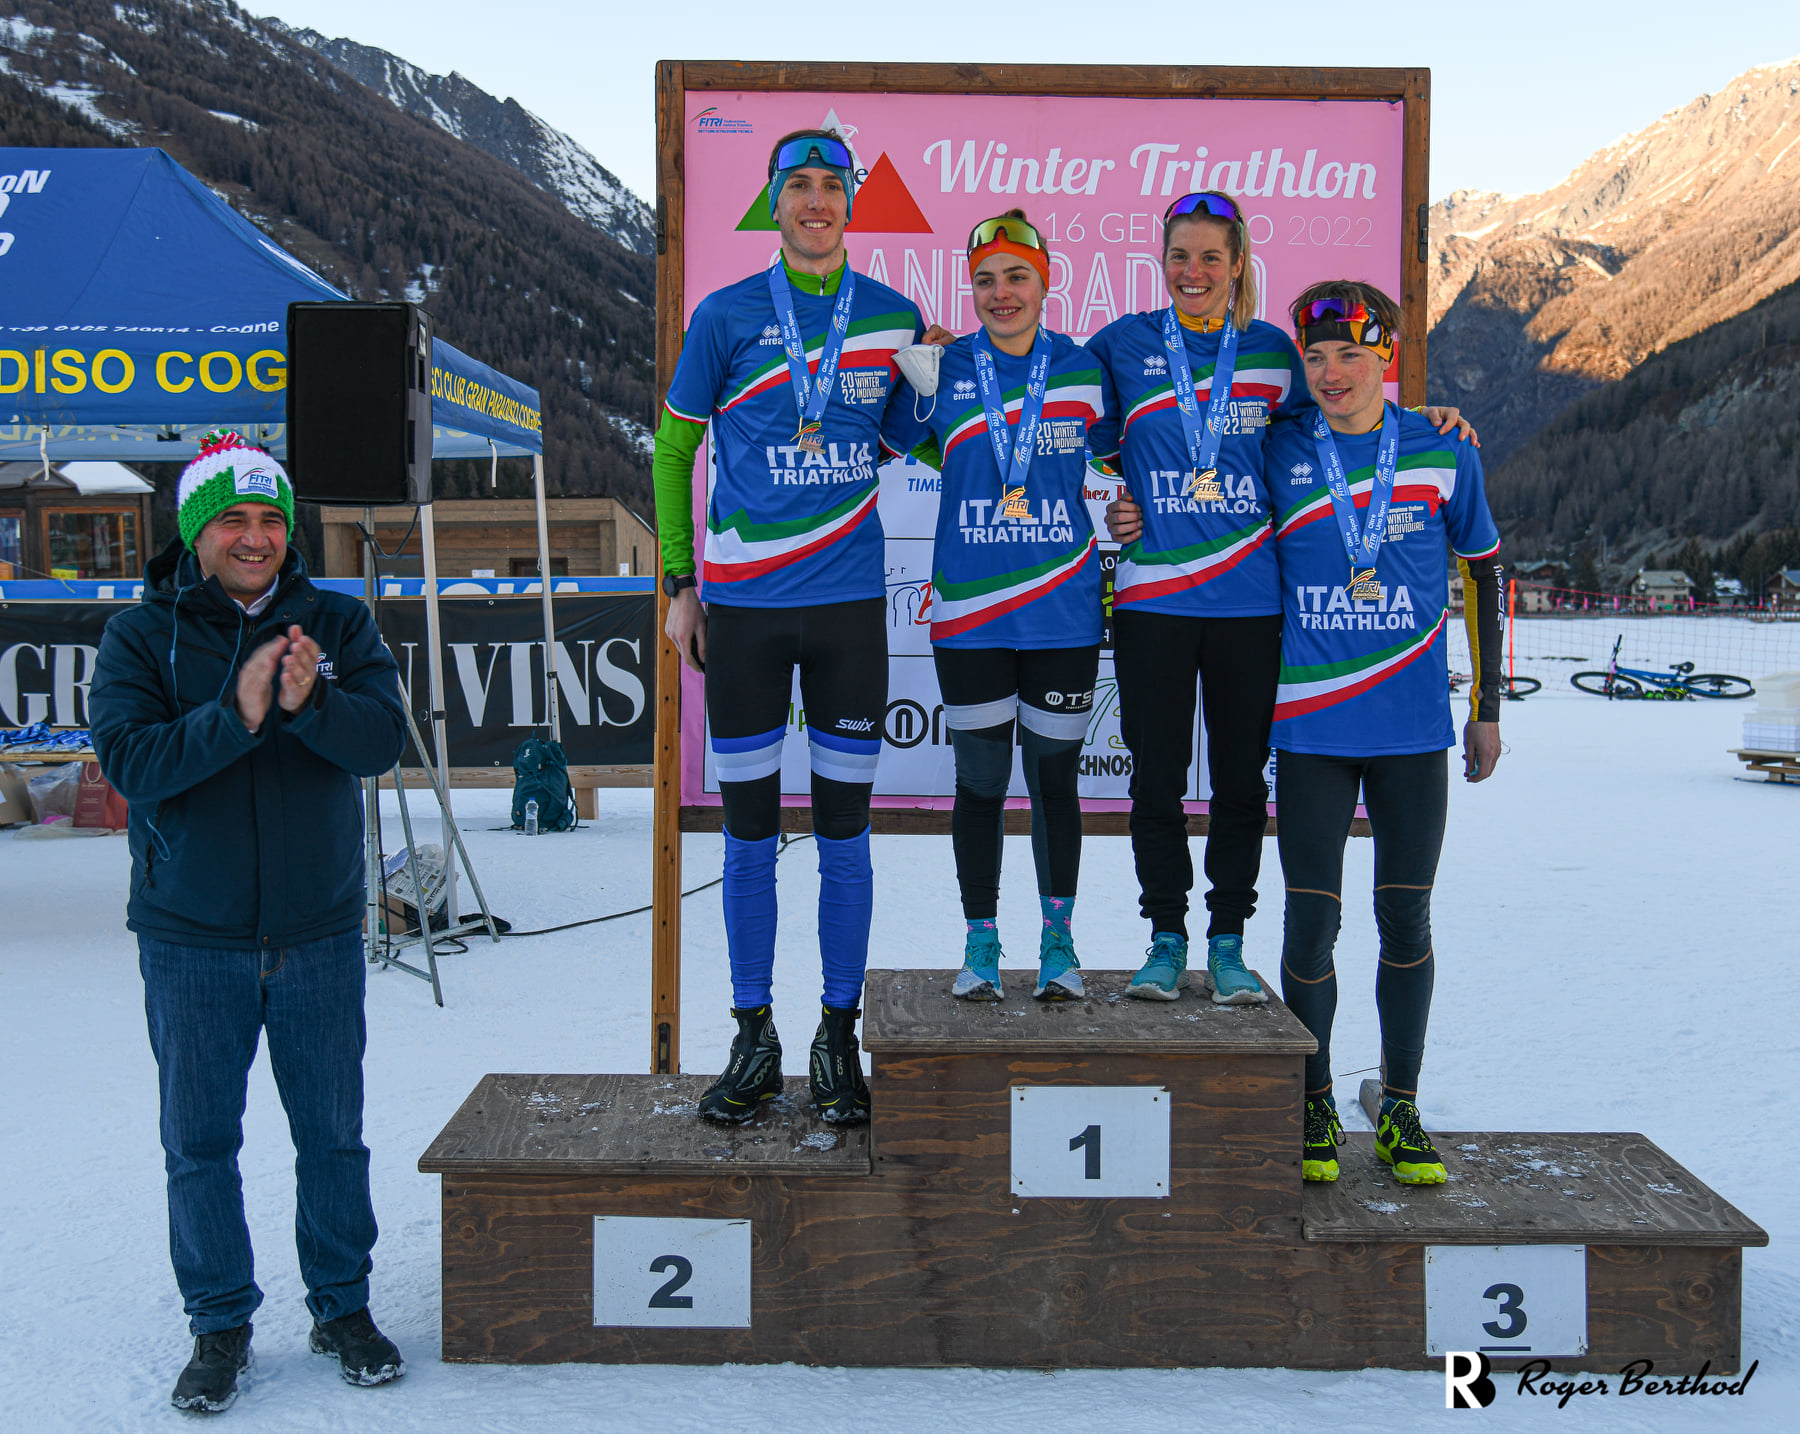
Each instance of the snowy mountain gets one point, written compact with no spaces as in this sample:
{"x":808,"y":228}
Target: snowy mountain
{"x":385,"y":204}
{"x":504,"y":128}
{"x":1536,"y":299}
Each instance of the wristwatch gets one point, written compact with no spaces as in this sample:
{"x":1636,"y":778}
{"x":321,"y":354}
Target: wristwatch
{"x":673,"y":583}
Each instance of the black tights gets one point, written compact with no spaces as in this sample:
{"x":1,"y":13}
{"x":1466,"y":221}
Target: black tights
{"x":1051,"y":690}
{"x":1406,"y":797}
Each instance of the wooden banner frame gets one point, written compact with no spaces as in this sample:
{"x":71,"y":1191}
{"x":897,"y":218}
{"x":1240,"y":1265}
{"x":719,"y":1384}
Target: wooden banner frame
{"x":675,"y":78}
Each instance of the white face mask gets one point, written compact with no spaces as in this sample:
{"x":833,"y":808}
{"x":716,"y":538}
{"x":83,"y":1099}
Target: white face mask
{"x":919,"y":362}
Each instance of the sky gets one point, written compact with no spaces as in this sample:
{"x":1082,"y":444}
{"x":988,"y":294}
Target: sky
{"x":1521,"y":92}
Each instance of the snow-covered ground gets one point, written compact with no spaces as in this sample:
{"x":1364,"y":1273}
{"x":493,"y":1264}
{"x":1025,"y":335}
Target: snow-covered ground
{"x":1616,"y":919}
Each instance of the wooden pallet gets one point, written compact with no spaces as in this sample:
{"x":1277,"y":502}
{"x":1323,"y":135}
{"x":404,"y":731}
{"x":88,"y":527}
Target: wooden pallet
{"x":917,"y":1241}
{"x":1774,"y":766}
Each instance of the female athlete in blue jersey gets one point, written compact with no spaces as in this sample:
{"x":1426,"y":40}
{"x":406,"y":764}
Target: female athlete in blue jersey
{"x":1190,"y":392}
{"x":1015,"y":588}
{"x":1372,"y":504}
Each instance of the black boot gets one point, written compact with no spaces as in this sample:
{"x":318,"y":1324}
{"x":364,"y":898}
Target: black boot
{"x":752,"y":1073}
{"x":365,"y":1355}
{"x":209,"y":1384}
{"x":838,"y":1088}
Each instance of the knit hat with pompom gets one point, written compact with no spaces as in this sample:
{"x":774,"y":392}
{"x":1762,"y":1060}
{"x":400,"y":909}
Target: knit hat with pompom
{"x":229,"y":470}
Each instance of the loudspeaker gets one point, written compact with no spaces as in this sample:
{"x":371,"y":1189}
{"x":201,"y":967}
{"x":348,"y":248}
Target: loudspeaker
{"x":359,"y":403}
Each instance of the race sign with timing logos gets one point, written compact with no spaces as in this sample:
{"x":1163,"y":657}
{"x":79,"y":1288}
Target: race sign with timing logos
{"x":1506,"y":1301}
{"x":1090,"y":1142}
{"x":659,"y":1272}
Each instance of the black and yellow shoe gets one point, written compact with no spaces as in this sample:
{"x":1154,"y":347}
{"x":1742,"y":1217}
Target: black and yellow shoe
{"x":752,"y":1071}
{"x":1323,"y":1135}
{"x":1402,"y":1142}
{"x":835,"y":1068}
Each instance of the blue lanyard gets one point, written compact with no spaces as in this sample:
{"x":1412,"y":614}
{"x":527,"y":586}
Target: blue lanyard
{"x":810,"y":399}
{"x":1013,"y":454}
{"x":1365,"y":542}
{"x":1202,"y":443}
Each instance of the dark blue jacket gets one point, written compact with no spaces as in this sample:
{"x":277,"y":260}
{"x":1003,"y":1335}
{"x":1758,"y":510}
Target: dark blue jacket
{"x":241,"y":840}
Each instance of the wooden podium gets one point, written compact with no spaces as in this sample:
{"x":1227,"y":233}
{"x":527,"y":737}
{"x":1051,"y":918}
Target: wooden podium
{"x":1103,"y":1183}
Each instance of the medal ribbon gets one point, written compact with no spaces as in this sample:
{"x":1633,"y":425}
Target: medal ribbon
{"x":1202,"y":442}
{"x":810,"y":399}
{"x":1361,"y":542}
{"x":1013,"y":454}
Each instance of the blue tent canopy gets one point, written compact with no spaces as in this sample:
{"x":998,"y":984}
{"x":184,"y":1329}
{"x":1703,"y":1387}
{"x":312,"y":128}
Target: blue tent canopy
{"x":138,"y":309}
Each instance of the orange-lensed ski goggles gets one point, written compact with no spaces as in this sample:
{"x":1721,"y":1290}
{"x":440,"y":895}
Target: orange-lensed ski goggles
{"x":1009,"y":236}
{"x":1340,"y":320}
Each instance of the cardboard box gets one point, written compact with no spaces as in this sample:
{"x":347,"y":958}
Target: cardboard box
{"x":15,"y":795}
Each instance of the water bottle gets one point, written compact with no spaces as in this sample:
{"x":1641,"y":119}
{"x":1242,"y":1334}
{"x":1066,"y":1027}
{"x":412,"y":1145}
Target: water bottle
{"x":531,"y":817}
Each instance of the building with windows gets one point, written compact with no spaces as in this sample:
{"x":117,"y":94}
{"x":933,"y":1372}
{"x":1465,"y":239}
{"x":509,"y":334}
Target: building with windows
{"x":497,"y":537}
{"x":75,"y":520}
{"x":1662,"y":589}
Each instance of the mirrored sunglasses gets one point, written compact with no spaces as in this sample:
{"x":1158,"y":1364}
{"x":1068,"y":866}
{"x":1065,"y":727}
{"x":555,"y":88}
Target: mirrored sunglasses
{"x":1016,"y":230}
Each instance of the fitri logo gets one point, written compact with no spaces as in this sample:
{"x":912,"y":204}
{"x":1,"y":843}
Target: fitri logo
{"x":1466,"y":1382}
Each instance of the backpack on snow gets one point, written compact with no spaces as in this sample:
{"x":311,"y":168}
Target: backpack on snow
{"x":541,"y":773}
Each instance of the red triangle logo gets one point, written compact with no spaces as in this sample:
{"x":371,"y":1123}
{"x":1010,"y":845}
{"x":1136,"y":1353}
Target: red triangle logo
{"x":884,"y":205}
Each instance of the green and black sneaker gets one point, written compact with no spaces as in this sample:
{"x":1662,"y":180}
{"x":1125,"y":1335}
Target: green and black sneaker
{"x":1323,"y":1135}
{"x":752,"y":1071}
{"x":1402,"y":1142}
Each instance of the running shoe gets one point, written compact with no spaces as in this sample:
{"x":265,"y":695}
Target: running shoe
{"x":1402,"y":1142}
{"x":752,"y":1072}
{"x":1059,"y":973}
{"x":1232,"y":984}
{"x":979,"y":979}
{"x":1323,"y":1134}
{"x":1164,"y":972}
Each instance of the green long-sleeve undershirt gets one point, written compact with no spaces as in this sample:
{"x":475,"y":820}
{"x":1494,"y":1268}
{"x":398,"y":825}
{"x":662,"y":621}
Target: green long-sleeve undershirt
{"x":678,"y":444}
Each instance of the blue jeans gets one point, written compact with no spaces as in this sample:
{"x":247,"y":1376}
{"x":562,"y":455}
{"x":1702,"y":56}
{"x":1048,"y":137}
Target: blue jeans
{"x":206,"y":1008}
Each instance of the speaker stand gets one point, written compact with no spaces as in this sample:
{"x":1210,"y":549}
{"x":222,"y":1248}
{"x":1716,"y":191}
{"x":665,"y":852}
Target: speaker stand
{"x":381,"y":949}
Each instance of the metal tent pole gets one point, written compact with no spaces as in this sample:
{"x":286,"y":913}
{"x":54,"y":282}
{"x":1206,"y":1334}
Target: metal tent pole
{"x":543,"y":537}
{"x":434,"y":666}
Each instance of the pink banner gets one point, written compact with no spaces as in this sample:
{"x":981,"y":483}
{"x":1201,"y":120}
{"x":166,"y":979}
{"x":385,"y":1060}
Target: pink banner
{"x":1320,"y":182}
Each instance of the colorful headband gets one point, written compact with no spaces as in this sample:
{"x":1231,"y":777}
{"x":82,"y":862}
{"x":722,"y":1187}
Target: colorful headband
{"x":1343,"y":321}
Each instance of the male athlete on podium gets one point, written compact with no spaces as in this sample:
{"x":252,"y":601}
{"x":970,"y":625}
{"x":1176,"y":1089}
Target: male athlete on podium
{"x":793,"y":367}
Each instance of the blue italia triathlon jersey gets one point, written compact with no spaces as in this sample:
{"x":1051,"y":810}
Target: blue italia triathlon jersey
{"x":1195,"y":559}
{"x":785,"y":527}
{"x":1369,"y":678}
{"x":999,"y":581}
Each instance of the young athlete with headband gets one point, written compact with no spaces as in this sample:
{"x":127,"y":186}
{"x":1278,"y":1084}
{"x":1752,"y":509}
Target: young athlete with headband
{"x":1015,"y":588}
{"x":1190,"y":391}
{"x":1371,"y":503}
{"x":793,"y":369}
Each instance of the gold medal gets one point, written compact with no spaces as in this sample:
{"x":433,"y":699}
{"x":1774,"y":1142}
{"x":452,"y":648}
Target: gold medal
{"x":1363,"y":587}
{"x":811,"y":437}
{"x":1203,"y":486}
{"x":1014,"y":505}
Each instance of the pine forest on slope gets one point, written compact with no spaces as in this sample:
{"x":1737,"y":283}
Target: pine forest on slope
{"x":380,"y":202}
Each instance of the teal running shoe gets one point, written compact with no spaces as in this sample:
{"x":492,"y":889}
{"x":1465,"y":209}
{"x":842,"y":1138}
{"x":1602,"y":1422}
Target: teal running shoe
{"x":1059,"y":973}
{"x":1165,"y":971}
{"x":979,"y":979}
{"x":1232,"y":984}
